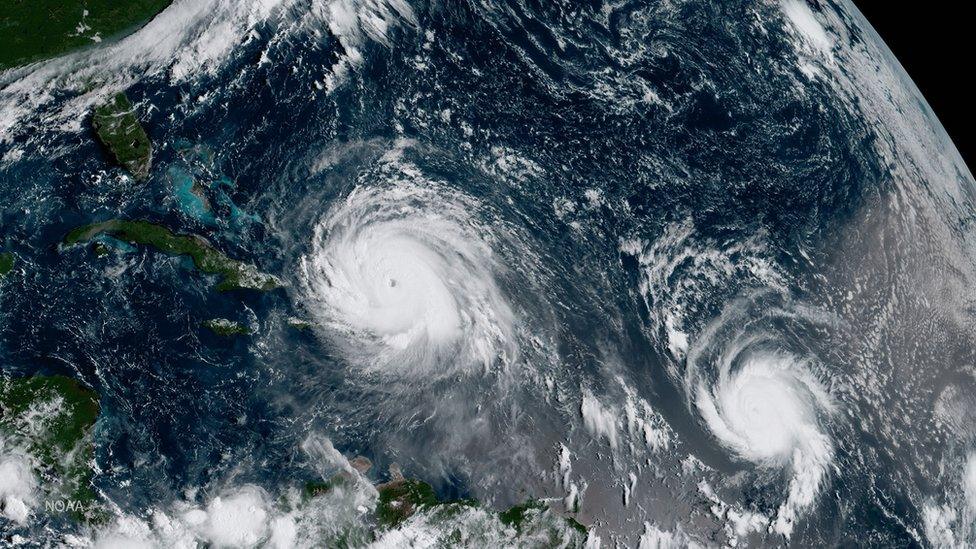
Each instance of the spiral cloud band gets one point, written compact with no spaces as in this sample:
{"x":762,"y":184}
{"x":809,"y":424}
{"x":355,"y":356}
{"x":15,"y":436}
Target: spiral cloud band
{"x":404,"y":276}
{"x":763,"y":400}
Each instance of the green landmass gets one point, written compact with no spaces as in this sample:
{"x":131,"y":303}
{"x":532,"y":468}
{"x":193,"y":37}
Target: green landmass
{"x":316,"y":488}
{"x":299,"y":324}
{"x":524,"y":516}
{"x":51,"y":417}
{"x":101,"y":250}
{"x":515,"y":516}
{"x":226,"y":328}
{"x":198,"y":191}
{"x":576,"y":525}
{"x":401,"y":498}
{"x":233,"y":274}
{"x":7,"y":261}
{"x":530,"y":524}
{"x":118,"y":128}
{"x":32,"y":30}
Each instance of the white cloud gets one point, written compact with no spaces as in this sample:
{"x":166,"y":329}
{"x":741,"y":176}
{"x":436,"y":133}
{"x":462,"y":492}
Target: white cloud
{"x":18,"y":487}
{"x":600,"y":420}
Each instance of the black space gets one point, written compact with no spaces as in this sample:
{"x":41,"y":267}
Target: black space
{"x":935,"y":43}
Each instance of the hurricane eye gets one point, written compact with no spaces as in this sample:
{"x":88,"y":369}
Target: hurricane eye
{"x":768,"y":408}
{"x":450,"y":312}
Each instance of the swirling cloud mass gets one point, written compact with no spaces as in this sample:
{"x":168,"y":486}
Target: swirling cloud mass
{"x":768,"y":410}
{"x":405,"y":279}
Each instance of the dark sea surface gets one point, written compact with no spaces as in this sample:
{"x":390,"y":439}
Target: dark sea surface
{"x":716,"y":256}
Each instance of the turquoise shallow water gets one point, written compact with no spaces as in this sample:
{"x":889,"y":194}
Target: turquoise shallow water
{"x":688,"y":272}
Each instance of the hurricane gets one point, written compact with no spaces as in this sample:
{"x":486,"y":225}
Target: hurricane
{"x":376,"y":273}
{"x":766,"y":404}
{"x":404,"y":277}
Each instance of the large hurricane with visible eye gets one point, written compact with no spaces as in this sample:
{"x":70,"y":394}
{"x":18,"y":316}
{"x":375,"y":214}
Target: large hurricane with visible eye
{"x":763,"y":399}
{"x":629,"y":273}
{"x":768,"y":410}
{"x":404,"y":279}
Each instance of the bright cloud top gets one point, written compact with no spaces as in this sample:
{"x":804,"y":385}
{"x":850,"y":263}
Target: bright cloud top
{"x":405,"y":277}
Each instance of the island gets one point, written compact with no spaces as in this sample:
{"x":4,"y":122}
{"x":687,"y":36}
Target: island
{"x":7,"y":261}
{"x":41,"y":29}
{"x":518,"y":515}
{"x":207,"y":259}
{"x":119,"y":130}
{"x":400,"y":498}
{"x":225,"y":327}
{"x":298,"y":324}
